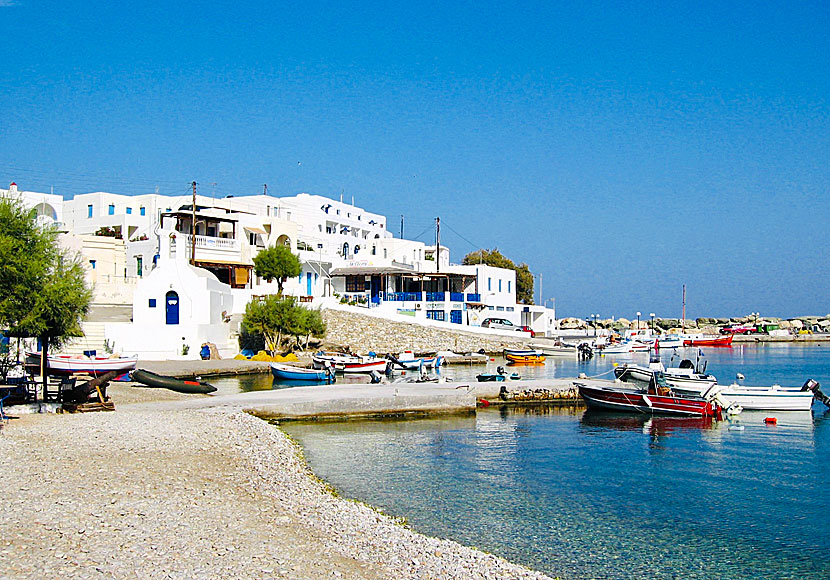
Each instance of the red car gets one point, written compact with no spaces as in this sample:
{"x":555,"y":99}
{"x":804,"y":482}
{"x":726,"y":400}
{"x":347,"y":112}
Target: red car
{"x":738,"y":329}
{"x":527,"y":329}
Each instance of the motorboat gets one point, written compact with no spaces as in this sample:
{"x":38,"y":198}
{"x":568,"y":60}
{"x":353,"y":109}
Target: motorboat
{"x":65,"y":364}
{"x":709,"y":340}
{"x":523,"y":356}
{"x":294,"y":373}
{"x":626,"y":347}
{"x":557,"y":348}
{"x":656,"y":398}
{"x":408,"y":360}
{"x":769,"y":398}
{"x":669,"y":341}
{"x":499,"y":376}
{"x":685,"y":374}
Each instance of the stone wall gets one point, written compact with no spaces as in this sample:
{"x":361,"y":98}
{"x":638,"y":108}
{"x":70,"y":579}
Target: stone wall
{"x":363,"y":333}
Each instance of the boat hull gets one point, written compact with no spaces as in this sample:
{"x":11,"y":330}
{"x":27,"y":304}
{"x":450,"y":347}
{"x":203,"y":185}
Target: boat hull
{"x":67,"y":365}
{"x":714,"y":341}
{"x":636,"y":401}
{"x":292,"y":373}
{"x":762,"y":398}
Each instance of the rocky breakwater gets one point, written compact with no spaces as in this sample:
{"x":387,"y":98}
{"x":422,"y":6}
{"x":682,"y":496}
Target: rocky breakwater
{"x":363,"y":333}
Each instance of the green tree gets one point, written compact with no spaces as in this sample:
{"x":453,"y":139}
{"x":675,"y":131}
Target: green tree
{"x":277,"y":263}
{"x":43,"y":291}
{"x":524,"y":277}
{"x":275,"y":317}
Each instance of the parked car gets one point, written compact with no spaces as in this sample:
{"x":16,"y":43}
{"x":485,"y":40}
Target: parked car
{"x":527,"y":329}
{"x":499,"y":323}
{"x":738,"y":329}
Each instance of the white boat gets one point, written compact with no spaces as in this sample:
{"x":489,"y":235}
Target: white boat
{"x":67,"y":364}
{"x":348,"y":363}
{"x":408,"y":360}
{"x":669,"y":341}
{"x":555,"y":348}
{"x":772,"y":398}
{"x":678,"y":377}
{"x":626,"y":347}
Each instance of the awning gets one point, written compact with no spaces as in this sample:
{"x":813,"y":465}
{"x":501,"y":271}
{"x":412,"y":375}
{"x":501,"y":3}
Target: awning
{"x":254,"y":230}
{"x":222,"y":263}
{"x":367,"y":269}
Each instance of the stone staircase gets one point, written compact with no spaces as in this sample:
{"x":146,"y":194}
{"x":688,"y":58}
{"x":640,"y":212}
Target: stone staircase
{"x":93,"y":339}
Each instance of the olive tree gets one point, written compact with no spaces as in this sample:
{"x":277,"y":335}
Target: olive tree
{"x":277,"y":263}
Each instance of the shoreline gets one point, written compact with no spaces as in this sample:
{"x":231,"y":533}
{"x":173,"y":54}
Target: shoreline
{"x":157,"y":490}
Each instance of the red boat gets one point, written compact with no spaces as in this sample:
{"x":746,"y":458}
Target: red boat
{"x":657,"y":398}
{"x":710,"y":341}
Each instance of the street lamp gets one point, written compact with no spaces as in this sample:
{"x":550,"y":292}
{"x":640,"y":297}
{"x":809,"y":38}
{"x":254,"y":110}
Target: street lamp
{"x":638,"y":321}
{"x":652,"y":321}
{"x":756,"y":315}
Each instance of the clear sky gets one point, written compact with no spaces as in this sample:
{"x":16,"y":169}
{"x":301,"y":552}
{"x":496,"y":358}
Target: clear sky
{"x":620,"y":150}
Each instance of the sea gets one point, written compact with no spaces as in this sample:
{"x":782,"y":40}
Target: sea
{"x":579,"y":494}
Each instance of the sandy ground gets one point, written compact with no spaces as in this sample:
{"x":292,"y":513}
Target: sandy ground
{"x":152,"y":491}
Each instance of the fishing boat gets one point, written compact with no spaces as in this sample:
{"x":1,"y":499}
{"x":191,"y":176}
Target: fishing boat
{"x":626,"y":347}
{"x":656,"y":398}
{"x":764,"y":398}
{"x":677,"y":377}
{"x":669,"y":341}
{"x":523,"y":356}
{"x":557,"y":348}
{"x":709,"y":340}
{"x":349,"y":363}
{"x":65,"y":364}
{"x":293,"y":373}
{"x":150,"y":379}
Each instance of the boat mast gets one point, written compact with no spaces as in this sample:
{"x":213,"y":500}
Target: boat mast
{"x":683,"y":320}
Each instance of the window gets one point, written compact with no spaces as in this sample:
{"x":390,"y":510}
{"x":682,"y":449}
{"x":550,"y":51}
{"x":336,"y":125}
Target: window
{"x":138,"y":266}
{"x":374,"y":250}
{"x":499,"y":285}
{"x":129,"y":210}
{"x":142,"y":210}
{"x":355,"y":284}
{"x":510,"y":309}
{"x":436,"y":315}
{"x":89,"y":211}
{"x":384,"y":253}
{"x":152,"y":303}
{"x":92,"y":263}
{"x":111,"y":209}
{"x":489,"y":284}
{"x":499,"y":308}
{"x":509,"y":285}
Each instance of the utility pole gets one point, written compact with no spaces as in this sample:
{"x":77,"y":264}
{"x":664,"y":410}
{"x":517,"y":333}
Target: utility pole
{"x":193,"y":228}
{"x":683,"y":315}
{"x":401,"y":236}
{"x":540,"y":289}
{"x":437,"y":243}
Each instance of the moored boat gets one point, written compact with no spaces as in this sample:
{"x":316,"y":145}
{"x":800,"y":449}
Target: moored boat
{"x":348,"y":363}
{"x":293,"y":373}
{"x":151,"y":379}
{"x":408,"y":360}
{"x":709,"y":340}
{"x":499,"y":376}
{"x":769,"y":398}
{"x":523,"y":356}
{"x":676,"y":377}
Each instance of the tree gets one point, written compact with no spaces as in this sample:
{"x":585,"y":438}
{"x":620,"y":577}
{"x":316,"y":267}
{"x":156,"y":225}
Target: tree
{"x":277,"y":263}
{"x":524,"y":277}
{"x":274,"y":317}
{"x":43,"y":291}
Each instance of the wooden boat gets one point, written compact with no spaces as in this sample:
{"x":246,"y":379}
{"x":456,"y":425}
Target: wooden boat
{"x":557,"y":348}
{"x":713,"y":340}
{"x":348,"y":363}
{"x":657,"y":398}
{"x":292,"y":373}
{"x":523,"y":356}
{"x":64,"y":364}
{"x":151,"y":379}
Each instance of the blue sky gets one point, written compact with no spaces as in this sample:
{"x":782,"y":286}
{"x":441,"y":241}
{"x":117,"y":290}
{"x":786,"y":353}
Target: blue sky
{"x":620,"y":150}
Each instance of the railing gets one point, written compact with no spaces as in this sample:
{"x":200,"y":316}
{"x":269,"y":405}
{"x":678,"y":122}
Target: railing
{"x":404,"y":296}
{"x":456,"y":296}
{"x":473,"y":297}
{"x":436,"y":296}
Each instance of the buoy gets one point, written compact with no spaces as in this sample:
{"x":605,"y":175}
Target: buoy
{"x":771,"y":421}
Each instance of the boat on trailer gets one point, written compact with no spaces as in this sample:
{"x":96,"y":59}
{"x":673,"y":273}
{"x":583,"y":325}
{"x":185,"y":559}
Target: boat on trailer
{"x":64,"y":364}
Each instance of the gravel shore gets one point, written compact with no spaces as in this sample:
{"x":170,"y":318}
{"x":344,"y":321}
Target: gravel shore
{"x":154,"y":491}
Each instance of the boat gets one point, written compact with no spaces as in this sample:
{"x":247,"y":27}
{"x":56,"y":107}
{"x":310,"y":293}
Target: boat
{"x":151,"y":379}
{"x":557,"y":348}
{"x":499,"y":376}
{"x":656,"y":398}
{"x":770,"y":398}
{"x":293,"y":373}
{"x":348,"y":363}
{"x":669,"y":341}
{"x":64,"y":364}
{"x":677,"y":377}
{"x":709,"y":340}
{"x":408,"y":360}
{"x":523,"y":356}
{"x":626,"y":347}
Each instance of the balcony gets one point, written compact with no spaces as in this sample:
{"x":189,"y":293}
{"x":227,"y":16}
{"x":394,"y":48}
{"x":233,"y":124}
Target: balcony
{"x":473,"y":297}
{"x":404,"y":296}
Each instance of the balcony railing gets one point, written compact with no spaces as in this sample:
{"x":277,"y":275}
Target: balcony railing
{"x":436,"y":296}
{"x":457,"y":296}
{"x":404,"y":296}
{"x":473,"y":297}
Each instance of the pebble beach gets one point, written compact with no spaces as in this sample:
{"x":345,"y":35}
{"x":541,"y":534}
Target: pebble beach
{"x":154,"y":490}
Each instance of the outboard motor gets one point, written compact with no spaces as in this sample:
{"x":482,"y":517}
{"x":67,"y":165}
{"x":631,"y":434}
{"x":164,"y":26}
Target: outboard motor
{"x":585,"y":351}
{"x":376,"y":377}
{"x":812,"y":385}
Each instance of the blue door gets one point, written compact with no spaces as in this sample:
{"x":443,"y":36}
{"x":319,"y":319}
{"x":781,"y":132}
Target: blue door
{"x":171,"y":308}
{"x":375,"y":289}
{"x":308,"y":283}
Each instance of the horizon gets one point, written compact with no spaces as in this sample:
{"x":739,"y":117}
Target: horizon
{"x":619,"y":151}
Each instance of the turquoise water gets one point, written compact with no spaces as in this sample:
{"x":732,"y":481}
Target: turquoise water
{"x":582,"y":495}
